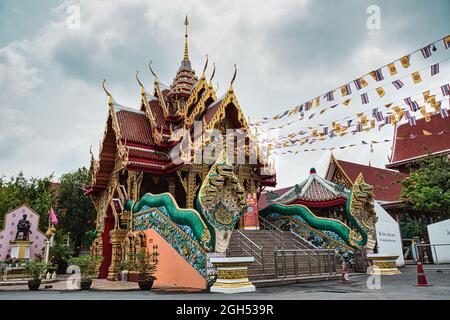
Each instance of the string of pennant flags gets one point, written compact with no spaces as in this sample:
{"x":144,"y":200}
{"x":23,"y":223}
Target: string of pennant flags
{"x":364,"y":99}
{"x":380,"y":91}
{"x":362,"y":143}
{"x":361,"y":82}
{"x":362,"y":119}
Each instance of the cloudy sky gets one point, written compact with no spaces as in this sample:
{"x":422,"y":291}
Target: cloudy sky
{"x":52,"y":107}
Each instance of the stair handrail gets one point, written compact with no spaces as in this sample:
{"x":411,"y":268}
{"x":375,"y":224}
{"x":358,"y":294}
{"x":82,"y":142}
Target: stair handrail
{"x":269,"y":226}
{"x":250,"y":246}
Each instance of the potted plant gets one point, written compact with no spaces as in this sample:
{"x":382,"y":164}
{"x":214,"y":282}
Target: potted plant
{"x":35,"y":269}
{"x":144,"y":264}
{"x":88,"y":269}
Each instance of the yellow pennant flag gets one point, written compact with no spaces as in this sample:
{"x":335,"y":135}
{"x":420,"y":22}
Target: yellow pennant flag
{"x":360,"y":114}
{"x":405,"y":61}
{"x":397,"y":109}
{"x":436,"y":106}
{"x":363,"y":120}
{"x":416,"y":77}
{"x":427,"y":117}
{"x":372,"y":124}
{"x":388,"y":105}
{"x":346,"y":102}
{"x":317,"y":101}
{"x":380,"y":92}
{"x":392,"y":69}
{"x":400,"y":115}
{"x":322,"y":111}
{"x":426,"y":95}
{"x":432,"y":99}
{"x":363,"y":82}
{"x":423,"y":111}
{"x":426,"y":133}
{"x":393,"y":119}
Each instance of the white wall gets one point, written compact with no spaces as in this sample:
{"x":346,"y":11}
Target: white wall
{"x":439,"y":233}
{"x":389,"y":241}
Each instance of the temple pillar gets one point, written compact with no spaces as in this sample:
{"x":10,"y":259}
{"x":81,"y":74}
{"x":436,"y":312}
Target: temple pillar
{"x":116,"y":238}
{"x":191,"y":189}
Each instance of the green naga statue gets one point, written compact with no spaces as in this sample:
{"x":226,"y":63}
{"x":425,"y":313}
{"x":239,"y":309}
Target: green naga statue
{"x":360,"y":233}
{"x":220,"y":203}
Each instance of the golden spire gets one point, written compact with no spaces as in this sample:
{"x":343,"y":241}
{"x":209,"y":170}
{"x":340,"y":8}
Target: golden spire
{"x":186,"y":52}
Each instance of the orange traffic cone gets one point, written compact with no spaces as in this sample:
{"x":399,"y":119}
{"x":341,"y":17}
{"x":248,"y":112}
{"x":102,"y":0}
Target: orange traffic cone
{"x":345,"y":278}
{"x":421,"y":279}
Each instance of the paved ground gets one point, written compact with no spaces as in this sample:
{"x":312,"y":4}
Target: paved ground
{"x":391,"y":287}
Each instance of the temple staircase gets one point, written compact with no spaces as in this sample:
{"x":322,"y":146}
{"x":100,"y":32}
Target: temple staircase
{"x":282,"y":257}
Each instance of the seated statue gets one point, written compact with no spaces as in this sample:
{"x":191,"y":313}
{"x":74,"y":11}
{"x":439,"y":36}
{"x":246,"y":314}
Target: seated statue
{"x":23,"y":229}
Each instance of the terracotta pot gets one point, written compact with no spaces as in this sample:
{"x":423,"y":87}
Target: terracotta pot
{"x":85,"y":284}
{"x":145,"y":284}
{"x":34,"y":284}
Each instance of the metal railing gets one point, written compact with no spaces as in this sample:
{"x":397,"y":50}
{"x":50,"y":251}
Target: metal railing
{"x":304,"y":263}
{"x":250,"y":248}
{"x":277,"y":236}
{"x":421,"y":250}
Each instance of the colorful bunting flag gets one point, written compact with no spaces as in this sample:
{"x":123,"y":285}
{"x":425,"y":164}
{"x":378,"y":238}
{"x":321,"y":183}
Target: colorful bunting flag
{"x":380,"y":91}
{"x":360,"y":83}
{"x":379,"y":116}
{"x":407,"y":115}
{"x":444,"y":113}
{"x":447,"y":42}
{"x":426,"y":52}
{"x":426,"y":133}
{"x":346,"y":102}
{"x":329,"y":96}
{"x":412,"y":121}
{"x":445,"y":90}
{"x":426,"y":95}
{"x":392,"y":69}
{"x":377,"y":75}
{"x":398,"y":84}
{"x":416,"y":77}
{"x":346,"y":90}
{"x":405,"y":61}
{"x":364,"y":98}
{"x":317,"y":101}
{"x":434,"y":69}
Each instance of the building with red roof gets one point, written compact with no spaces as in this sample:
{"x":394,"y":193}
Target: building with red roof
{"x":412,"y":143}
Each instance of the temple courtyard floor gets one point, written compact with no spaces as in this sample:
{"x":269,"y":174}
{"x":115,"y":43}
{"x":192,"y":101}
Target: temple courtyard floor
{"x":389,"y":287}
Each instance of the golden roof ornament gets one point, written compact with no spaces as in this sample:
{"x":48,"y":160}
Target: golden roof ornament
{"x":110,"y":100}
{"x":186,"y":51}
{"x":140,"y":83}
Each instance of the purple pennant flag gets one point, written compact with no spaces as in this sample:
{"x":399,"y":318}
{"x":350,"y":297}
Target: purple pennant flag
{"x":434,"y":69}
{"x":364,"y":98}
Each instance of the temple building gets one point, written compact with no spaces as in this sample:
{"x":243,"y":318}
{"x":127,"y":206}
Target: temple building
{"x":412,"y":144}
{"x":136,"y":156}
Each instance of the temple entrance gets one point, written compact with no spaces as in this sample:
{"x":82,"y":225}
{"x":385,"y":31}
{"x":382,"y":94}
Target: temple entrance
{"x":107,"y":246}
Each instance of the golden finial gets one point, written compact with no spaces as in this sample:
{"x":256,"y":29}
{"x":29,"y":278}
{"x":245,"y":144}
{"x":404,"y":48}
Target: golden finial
{"x":107,"y":93}
{"x":213,"y":73}
{"x":151,"y":70}
{"x":140,"y":83}
{"x":186,"y":53}
{"x":206,"y":66}
{"x":234,"y":77}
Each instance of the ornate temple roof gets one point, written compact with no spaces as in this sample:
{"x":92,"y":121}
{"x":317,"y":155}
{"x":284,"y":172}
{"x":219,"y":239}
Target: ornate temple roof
{"x":386,"y":183}
{"x":411,"y":144}
{"x":143,"y":137}
{"x":314,"y":191}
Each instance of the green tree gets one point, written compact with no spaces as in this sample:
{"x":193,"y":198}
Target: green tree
{"x":76,"y":213}
{"x":428,"y":186}
{"x":37,"y":193}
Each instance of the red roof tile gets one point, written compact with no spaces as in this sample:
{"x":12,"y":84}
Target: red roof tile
{"x":406,"y":148}
{"x":134,"y":127}
{"x":386,"y":183}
